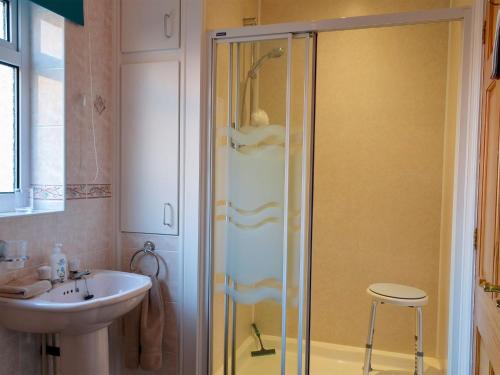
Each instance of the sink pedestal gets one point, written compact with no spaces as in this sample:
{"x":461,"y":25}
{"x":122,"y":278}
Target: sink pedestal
{"x":86,"y":354}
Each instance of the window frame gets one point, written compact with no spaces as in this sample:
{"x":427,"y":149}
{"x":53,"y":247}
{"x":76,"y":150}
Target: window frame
{"x":13,"y":24}
{"x":15,"y":53}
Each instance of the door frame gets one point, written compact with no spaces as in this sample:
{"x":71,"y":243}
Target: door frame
{"x":460,"y":332}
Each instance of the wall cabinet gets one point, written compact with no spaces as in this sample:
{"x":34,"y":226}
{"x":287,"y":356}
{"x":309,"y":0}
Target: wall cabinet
{"x":150,"y":147}
{"x":149,"y":25}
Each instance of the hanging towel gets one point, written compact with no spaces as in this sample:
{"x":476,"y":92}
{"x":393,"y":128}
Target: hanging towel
{"x":151,"y":329}
{"x":495,"y":68}
{"x":20,"y":289}
{"x":131,"y":324}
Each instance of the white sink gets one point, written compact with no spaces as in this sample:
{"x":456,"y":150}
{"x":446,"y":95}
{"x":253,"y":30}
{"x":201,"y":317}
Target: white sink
{"x":65,"y":310}
{"x":81,"y":323}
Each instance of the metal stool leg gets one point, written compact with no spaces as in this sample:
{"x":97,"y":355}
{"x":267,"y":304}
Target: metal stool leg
{"x":419,"y":341}
{"x":369,"y":345}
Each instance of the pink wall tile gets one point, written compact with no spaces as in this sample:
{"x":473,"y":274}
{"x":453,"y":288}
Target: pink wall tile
{"x":85,"y":228}
{"x":167,"y":249}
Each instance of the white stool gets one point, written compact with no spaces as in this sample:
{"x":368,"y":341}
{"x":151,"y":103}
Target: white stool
{"x":400,"y":295}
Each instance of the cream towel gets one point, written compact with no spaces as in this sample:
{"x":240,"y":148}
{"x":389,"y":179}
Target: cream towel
{"x":131,"y":324}
{"x":20,"y":289}
{"x":151,"y":331}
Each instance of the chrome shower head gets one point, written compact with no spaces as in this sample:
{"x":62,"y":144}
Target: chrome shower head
{"x":276,"y":52}
{"x":273,"y":54}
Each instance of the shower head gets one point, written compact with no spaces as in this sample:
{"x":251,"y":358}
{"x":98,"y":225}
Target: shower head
{"x":252,"y":74}
{"x":273,"y":54}
{"x":276,"y":52}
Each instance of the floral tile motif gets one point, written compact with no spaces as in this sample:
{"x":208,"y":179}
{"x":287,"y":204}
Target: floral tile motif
{"x":48,"y":192}
{"x":88,"y":191}
{"x":73,"y":191}
{"x":98,"y":191}
{"x":76,"y":191}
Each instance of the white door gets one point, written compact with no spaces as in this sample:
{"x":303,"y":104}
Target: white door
{"x":148,"y":25}
{"x":150,"y":147}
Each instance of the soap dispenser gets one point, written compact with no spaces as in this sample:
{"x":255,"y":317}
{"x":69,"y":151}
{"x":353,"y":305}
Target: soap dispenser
{"x":58,"y":264}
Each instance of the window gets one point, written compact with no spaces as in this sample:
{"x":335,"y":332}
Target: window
{"x":8,"y":129}
{"x":10,"y":104}
{"x":31,"y":109}
{"x":4,"y":20}
{"x":10,"y":59}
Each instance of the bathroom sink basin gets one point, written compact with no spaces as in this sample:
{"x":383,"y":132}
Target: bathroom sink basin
{"x":64,"y":309}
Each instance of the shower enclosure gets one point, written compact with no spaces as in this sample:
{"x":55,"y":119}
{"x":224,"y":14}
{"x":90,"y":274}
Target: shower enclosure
{"x":262,"y":108}
{"x":261,"y":140}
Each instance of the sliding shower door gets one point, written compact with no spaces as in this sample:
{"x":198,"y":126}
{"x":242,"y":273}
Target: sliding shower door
{"x":260,"y":136}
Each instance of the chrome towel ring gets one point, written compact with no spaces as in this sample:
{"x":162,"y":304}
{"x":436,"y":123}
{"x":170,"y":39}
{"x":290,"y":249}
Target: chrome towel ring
{"x":148,"y":249}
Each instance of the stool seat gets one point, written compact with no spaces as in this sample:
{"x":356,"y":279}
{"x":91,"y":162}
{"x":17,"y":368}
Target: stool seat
{"x":401,"y":295}
{"x":398,"y":294}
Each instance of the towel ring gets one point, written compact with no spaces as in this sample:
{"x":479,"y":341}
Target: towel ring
{"x":148,"y":249}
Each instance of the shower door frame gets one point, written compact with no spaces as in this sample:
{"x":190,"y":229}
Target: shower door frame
{"x":462,"y":258}
{"x":310,"y":46}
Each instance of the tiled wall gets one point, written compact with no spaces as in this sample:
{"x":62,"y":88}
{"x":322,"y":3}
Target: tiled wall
{"x":86,"y":226}
{"x":373,"y":221}
{"x":167,"y":250}
{"x":378,"y":180}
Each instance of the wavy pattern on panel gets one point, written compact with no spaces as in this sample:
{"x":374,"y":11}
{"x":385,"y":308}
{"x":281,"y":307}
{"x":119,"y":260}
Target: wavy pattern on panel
{"x":249,"y":219}
{"x":252,"y":296}
{"x":254,"y":135}
{"x":271,"y":151}
{"x":269,"y":212}
{"x":256,"y":294}
{"x":269,"y":220}
{"x":245,"y":212}
{"x":253,"y":211}
{"x":257,"y":150}
{"x":252,"y":149}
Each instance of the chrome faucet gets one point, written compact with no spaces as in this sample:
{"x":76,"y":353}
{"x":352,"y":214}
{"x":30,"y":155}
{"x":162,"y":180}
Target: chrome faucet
{"x":78,"y":275}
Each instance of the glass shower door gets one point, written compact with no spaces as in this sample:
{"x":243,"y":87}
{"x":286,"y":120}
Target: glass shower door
{"x":261,"y":131}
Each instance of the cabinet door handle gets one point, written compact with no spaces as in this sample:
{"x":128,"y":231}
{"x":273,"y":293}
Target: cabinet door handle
{"x":170,"y":222}
{"x":166,"y":26}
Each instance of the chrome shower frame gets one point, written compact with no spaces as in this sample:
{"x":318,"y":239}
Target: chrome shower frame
{"x":460,"y":291}
{"x":229,"y":364}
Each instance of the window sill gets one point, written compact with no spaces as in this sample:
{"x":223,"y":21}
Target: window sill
{"x":14,"y":214}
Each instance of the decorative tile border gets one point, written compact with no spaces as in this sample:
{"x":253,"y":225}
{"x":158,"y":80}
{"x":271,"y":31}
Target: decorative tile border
{"x":76,"y":191}
{"x":48,"y":192}
{"x":88,"y":191}
{"x":98,"y":191}
{"x":73,"y":191}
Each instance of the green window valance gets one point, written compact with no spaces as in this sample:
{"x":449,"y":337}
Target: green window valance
{"x":69,"y":9}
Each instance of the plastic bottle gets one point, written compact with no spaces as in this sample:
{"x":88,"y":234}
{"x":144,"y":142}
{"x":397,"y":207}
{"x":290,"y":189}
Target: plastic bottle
{"x":58,"y":264}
